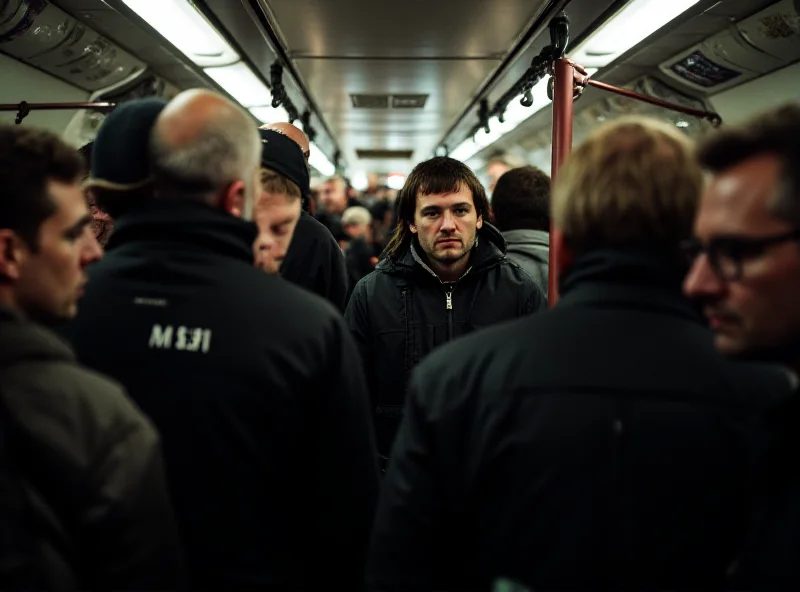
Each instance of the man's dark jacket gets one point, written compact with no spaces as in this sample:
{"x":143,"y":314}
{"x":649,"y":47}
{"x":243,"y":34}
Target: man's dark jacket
{"x":94,"y":511}
{"x":256,"y":388}
{"x":315,"y":262}
{"x":602,"y":445}
{"x":400,"y":312}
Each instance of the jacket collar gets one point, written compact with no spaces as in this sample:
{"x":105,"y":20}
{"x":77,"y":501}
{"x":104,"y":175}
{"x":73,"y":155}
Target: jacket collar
{"x":489,"y":250}
{"x":188,"y":223}
{"x":525,"y":236}
{"x":627,"y":278}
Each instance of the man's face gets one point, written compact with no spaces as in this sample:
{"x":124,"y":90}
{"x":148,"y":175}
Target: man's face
{"x":51,"y":278}
{"x":496,"y":170}
{"x":446,"y":225}
{"x":758,"y":314}
{"x":276,"y":216}
{"x":333,"y":196}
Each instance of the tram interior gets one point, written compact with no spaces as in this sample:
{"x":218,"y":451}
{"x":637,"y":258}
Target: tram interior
{"x":382,"y":87}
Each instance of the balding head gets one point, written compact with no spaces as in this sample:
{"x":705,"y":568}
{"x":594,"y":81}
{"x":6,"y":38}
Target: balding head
{"x":293,"y":132}
{"x":205,"y":147}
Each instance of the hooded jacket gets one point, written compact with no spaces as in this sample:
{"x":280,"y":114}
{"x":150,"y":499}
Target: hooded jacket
{"x":91,"y":467}
{"x":530,"y":249}
{"x":402,"y":311}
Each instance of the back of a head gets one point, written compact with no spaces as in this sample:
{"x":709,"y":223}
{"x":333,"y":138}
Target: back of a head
{"x":202,"y":143}
{"x":358,"y":215}
{"x":521,"y":199}
{"x":773,"y":132}
{"x":29,"y":159}
{"x":439,"y":175}
{"x":293,"y":132}
{"x":633,"y":182}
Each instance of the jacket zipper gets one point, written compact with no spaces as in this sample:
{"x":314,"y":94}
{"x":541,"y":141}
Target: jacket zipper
{"x":449,"y":296}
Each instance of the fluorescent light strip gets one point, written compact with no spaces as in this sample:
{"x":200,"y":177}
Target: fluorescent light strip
{"x":269,"y":114}
{"x":634,"y":23}
{"x":319,"y":161}
{"x":242,"y":84}
{"x":181,"y":24}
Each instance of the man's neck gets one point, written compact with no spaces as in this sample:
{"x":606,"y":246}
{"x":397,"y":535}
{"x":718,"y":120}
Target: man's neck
{"x":452,"y":272}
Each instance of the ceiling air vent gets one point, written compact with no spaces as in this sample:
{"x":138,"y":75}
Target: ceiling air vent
{"x":385,"y":154}
{"x":409,"y":101}
{"x":370,"y":101}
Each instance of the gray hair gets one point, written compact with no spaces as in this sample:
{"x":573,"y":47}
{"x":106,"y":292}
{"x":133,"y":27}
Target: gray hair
{"x":224,"y":150}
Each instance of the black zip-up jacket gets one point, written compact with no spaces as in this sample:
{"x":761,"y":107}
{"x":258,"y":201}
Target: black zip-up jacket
{"x":256,"y":388}
{"x":601,"y":445}
{"x":402,"y":311}
{"x":95,"y":511}
{"x":315,"y":262}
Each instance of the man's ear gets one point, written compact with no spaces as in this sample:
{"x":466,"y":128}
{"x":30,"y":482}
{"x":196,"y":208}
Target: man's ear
{"x":233,"y":201}
{"x":13,"y":253}
{"x":412,"y":228}
{"x":479,"y":225}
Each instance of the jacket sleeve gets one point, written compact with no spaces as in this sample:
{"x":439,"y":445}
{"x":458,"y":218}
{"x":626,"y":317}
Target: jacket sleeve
{"x":349,"y":476}
{"x":356,"y":317}
{"x":338,"y":285}
{"x":536,"y":299}
{"x":133,"y":510}
{"x":405,"y":540}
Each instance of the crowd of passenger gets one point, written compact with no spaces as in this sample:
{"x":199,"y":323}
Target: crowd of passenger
{"x":213,"y":377}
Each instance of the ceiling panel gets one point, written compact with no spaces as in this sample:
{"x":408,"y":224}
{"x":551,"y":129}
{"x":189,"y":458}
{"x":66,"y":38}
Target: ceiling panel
{"x":445,"y":49}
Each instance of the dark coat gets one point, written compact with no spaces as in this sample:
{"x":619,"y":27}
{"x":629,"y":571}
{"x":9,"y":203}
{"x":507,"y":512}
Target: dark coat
{"x":256,"y":387}
{"x":401,"y":312}
{"x":601,"y":445}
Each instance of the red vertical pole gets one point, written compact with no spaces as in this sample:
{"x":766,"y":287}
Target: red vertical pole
{"x":563,"y":85}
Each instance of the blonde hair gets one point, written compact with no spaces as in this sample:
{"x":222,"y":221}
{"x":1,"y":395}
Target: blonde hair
{"x":633,"y":181}
{"x":273,"y":182}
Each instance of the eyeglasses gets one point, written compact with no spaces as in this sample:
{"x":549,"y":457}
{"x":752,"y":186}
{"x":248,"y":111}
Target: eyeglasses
{"x":727,"y":254}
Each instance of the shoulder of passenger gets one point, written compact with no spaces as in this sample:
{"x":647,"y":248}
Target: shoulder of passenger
{"x":62,"y":400}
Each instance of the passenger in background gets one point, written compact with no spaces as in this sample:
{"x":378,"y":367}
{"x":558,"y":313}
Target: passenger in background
{"x":445,"y":275}
{"x":746,"y":276}
{"x":603,"y":444}
{"x":314,"y":260}
{"x":254,"y":384}
{"x":284,"y":183}
{"x":335,"y":198}
{"x":361,"y":253}
{"x":84,"y":499}
{"x":521,"y":208}
{"x":499,"y":164}
{"x":120,"y":177}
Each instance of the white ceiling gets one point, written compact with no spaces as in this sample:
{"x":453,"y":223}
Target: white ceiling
{"x":443,"y":48}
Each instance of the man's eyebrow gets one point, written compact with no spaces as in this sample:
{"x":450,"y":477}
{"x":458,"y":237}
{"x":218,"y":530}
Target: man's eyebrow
{"x":76,"y":228}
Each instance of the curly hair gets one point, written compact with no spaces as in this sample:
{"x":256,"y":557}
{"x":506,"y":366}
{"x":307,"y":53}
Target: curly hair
{"x":29,"y":159}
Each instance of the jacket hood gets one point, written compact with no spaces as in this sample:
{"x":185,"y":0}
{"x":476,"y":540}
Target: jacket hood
{"x":490,"y":248}
{"x":22,"y":340}
{"x":525,"y":236}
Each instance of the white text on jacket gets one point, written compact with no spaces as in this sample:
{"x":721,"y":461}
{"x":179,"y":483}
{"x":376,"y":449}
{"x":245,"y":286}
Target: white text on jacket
{"x":185,"y":338}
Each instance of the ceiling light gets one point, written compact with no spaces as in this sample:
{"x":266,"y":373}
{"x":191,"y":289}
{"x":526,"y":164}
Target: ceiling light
{"x":241,"y":83}
{"x":319,"y":161}
{"x":186,"y":28}
{"x":634,"y":23}
{"x":360,"y":181}
{"x":395,"y":181}
{"x":268,"y":114}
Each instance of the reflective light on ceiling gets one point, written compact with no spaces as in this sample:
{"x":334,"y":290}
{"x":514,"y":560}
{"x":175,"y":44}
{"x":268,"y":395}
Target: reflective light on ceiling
{"x":319,"y":161}
{"x":187,"y":29}
{"x":634,"y":23}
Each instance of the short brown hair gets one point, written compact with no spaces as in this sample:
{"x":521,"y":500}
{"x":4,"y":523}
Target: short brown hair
{"x":521,"y":199}
{"x":776,"y":131}
{"x":29,"y":159}
{"x":273,"y":182}
{"x":633,"y":181}
{"x":441,"y":174}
